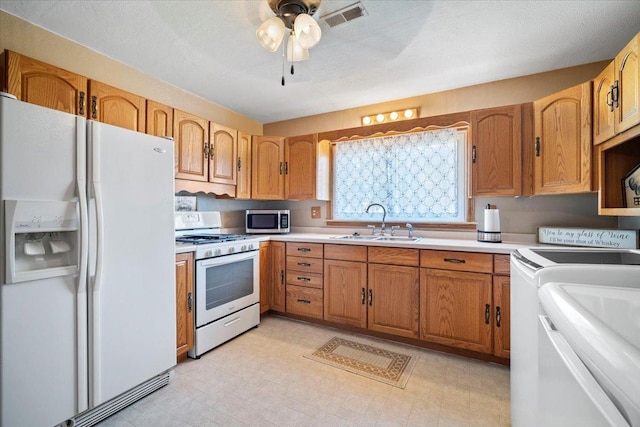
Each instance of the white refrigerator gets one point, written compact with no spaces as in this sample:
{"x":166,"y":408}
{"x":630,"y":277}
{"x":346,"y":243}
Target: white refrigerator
{"x":88,"y":280}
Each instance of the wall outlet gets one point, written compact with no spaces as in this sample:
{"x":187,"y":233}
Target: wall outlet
{"x":316,"y":213}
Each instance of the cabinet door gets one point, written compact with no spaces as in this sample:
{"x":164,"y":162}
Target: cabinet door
{"x":159,"y":119}
{"x":300,"y":167}
{"x":265,"y":275}
{"x":223,"y":154}
{"x":393,"y":299}
{"x":243,"y":182}
{"x":603,"y":106}
{"x":116,"y":107}
{"x":191,"y":146}
{"x":563,"y":141}
{"x":277,"y":294}
{"x":42,"y":84}
{"x":345,"y":291}
{"x":267,"y":168}
{"x":496,"y":152}
{"x":502,"y":311}
{"x":455,"y":309}
{"x":627,"y":113}
{"x":184,"y":304}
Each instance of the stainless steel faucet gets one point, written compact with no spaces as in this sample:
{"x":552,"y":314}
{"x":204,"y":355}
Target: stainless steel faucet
{"x":384,"y":216}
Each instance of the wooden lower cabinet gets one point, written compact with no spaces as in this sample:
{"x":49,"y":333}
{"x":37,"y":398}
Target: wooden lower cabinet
{"x":393,"y":299}
{"x":277,"y":295}
{"x":455,"y":309}
{"x":265,"y":276}
{"x":184,"y":305}
{"x":304,"y":301}
{"x":345,"y":289}
{"x":502,"y":312}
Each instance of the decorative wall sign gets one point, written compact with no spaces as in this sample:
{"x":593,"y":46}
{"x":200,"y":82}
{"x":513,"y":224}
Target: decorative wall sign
{"x":619,"y":239}
{"x":185,"y":203}
{"x":631,"y":188}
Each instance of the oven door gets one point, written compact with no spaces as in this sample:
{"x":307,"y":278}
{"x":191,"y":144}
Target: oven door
{"x":225,"y":285}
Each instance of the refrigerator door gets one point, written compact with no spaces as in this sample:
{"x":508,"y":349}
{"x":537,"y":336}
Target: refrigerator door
{"x":44,"y":306}
{"x":132,"y":277}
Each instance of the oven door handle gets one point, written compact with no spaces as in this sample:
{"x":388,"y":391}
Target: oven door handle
{"x":227,"y":259}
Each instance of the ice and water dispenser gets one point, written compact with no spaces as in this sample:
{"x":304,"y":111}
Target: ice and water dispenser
{"x":42,"y":239}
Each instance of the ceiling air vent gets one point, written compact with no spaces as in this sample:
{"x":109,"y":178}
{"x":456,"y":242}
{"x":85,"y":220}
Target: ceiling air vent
{"x":345,"y":14}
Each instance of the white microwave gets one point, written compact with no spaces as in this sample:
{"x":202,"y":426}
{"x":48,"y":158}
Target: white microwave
{"x":267,"y":221}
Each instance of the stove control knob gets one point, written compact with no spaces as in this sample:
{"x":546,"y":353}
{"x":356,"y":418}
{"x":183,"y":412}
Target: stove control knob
{"x":218,"y":252}
{"x":251,"y":247}
{"x":232,"y":250}
{"x":243,"y":248}
{"x":208,"y":253}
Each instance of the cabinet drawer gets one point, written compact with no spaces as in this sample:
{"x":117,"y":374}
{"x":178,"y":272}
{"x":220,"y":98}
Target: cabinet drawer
{"x":396,"y":256}
{"x":501,"y":265}
{"x":304,"y":301}
{"x":309,"y":265}
{"x":313,"y":250}
{"x":459,"y":261}
{"x":311,"y":280}
{"x":346,"y":252}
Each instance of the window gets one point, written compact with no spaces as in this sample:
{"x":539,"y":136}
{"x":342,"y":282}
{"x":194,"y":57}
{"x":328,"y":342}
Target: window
{"x":418,"y":177}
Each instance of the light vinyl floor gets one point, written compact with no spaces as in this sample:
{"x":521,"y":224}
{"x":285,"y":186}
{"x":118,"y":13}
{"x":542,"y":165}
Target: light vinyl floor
{"x":262,"y":379}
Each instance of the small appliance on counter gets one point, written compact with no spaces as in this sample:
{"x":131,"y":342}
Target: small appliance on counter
{"x":491,"y":231}
{"x":262,"y":221}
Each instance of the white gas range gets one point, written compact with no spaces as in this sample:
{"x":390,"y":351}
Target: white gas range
{"x":227,"y":279}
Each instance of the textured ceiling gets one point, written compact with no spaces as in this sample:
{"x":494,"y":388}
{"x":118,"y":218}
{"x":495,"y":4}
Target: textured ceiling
{"x":400,"y":49}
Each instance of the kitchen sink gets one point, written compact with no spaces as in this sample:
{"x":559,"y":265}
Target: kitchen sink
{"x":379,"y":238}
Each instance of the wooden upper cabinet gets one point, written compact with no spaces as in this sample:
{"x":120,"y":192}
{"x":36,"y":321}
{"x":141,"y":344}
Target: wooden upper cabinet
{"x":243,"y":181}
{"x":42,"y":84}
{"x":267,"y":167}
{"x":159,"y":119}
{"x":116,"y":107}
{"x":627,"y":74}
{"x":300,"y":167}
{"x":223,"y":154}
{"x":191,"y":146}
{"x":562,"y":162}
{"x":496,"y":152}
{"x":603,"y":107}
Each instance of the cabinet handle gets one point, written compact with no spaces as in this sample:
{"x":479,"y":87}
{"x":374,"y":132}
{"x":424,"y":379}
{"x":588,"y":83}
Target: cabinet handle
{"x":370,"y":297}
{"x":304,"y":249}
{"x":190,"y":301}
{"x":304,"y":264}
{"x":304,"y":279}
{"x":239,"y":163}
{"x":304,"y":301}
{"x":455,"y":260}
{"x":610,"y":98}
{"x":211,"y":151}
{"x":498,"y":317}
{"x":615,"y":94}
{"x":286,"y":168}
{"x":206,"y":150}
{"x":282,"y":277}
{"x":473,"y":154}
{"x":537,"y":146}
{"x":487,"y":313}
{"x":363,"y":295}
{"x":280,"y":168}
{"x":94,"y":107}
{"x":81,"y":106}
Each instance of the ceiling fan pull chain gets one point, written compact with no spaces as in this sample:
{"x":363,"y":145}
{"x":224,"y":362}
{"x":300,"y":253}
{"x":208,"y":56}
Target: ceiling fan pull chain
{"x":283,"y":57}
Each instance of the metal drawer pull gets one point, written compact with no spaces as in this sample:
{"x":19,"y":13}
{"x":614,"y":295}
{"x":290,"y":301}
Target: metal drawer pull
{"x":363,"y":294}
{"x":487,"y":312}
{"x":231,"y":322}
{"x":498,"y":317}
{"x":455,"y":260}
{"x":304,"y":301}
{"x":370,"y":296}
{"x":304,"y":279}
{"x":304,"y":264}
{"x":304,"y":249}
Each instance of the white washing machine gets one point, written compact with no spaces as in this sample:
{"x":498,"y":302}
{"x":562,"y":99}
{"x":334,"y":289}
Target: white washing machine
{"x":532,"y":268}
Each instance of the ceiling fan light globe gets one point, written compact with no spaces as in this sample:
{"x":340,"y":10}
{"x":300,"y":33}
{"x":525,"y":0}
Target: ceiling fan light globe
{"x":271,"y":33}
{"x":307,"y":30}
{"x":295,"y":52}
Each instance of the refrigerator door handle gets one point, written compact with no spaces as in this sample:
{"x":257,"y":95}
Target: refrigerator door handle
{"x":97,"y":279}
{"x":81,"y":186}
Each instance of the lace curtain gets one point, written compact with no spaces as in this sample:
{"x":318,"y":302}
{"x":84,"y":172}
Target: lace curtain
{"x":416,"y":176}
